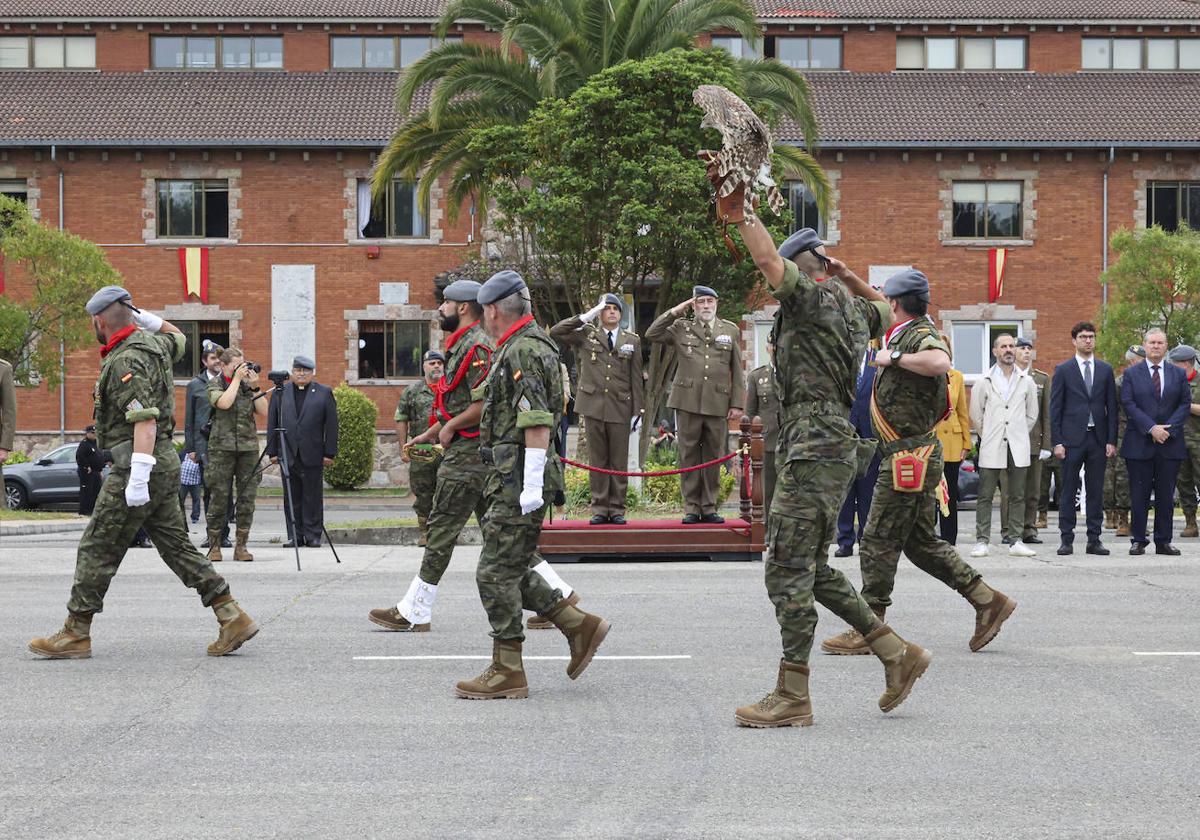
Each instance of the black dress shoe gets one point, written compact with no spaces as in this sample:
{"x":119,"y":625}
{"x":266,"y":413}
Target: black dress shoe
{"x":1066,"y":548}
{"x":691,"y":519}
{"x":712,"y":519}
{"x":1031,"y":540}
{"x":616,"y":519}
{"x":225,"y":543}
{"x":1097,"y":548}
{"x":1006,"y":541}
{"x":313,"y":543}
{"x":1166,"y":548}
{"x":292,"y":544}
{"x":205,"y":543}
{"x":1138,"y":548}
{"x":598,"y":519}
{"x":843,"y":551}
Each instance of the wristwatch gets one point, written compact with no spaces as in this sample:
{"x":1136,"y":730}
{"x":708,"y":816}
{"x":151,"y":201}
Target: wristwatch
{"x":895,"y":356}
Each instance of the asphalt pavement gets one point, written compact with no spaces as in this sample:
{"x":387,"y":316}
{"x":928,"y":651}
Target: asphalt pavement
{"x":1079,"y":721}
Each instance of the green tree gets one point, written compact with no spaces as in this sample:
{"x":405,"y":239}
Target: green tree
{"x":63,"y":271}
{"x":356,"y":439}
{"x":548,"y":50}
{"x":1155,"y":282}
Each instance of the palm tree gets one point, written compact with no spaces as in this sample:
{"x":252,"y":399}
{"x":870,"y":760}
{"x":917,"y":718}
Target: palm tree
{"x":547,"y":50}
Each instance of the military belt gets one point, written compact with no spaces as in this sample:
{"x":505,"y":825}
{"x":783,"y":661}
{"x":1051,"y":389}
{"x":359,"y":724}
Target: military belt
{"x":813,"y":407}
{"x":911,"y":442}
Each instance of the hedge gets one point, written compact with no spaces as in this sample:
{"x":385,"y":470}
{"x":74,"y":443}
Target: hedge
{"x":356,"y":439}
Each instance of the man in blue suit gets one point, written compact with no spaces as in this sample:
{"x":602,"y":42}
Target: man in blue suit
{"x":858,"y":498}
{"x":1083,"y":429}
{"x":1157,"y":400}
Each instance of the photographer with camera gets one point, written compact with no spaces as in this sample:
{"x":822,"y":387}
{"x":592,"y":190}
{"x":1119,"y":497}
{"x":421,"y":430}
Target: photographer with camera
{"x":197,"y":417}
{"x":233,"y":450}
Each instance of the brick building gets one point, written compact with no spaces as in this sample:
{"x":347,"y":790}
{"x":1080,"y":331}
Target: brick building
{"x":948,"y":129}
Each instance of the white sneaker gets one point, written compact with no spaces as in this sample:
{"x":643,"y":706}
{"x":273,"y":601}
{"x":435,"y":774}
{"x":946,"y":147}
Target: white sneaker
{"x":980,"y":550}
{"x":1019,"y":549}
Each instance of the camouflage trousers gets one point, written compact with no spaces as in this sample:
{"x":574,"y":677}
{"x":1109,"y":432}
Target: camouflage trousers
{"x":1116,"y":484}
{"x":459,"y":493}
{"x":505,"y":576}
{"x":1188,"y":479}
{"x":225,"y":471}
{"x":422,"y":480}
{"x":112,"y":528}
{"x":905,"y":522}
{"x":800,"y":528}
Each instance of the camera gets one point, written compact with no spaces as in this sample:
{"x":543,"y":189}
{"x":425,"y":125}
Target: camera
{"x":278,"y":377}
{"x":254,"y":366}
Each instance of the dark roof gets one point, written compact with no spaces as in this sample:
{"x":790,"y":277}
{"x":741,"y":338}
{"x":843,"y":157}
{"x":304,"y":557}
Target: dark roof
{"x":955,"y":10}
{"x":1000,"y":109}
{"x":356,"y":109}
{"x":221,"y":9}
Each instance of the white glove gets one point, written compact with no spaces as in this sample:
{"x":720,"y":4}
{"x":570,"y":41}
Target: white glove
{"x":1043,"y":454}
{"x":590,"y":315}
{"x":535,"y":473}
{"x":148,"y":321}
{"x":137,"y":490}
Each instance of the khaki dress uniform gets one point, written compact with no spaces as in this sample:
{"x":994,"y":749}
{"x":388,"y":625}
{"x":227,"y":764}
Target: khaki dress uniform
{"x":708,"y":383}
{"x":608,"y":397}
{"x":762,"y":401}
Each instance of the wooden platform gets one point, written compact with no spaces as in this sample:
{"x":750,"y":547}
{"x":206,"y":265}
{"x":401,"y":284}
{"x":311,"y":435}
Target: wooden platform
{"x":742,"y":538}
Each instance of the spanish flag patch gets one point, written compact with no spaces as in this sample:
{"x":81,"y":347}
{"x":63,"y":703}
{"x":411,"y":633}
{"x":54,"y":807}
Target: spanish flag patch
{"x":127,"y":377}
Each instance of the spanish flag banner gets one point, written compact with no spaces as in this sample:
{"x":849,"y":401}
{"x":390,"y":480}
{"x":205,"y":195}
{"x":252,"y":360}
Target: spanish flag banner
{"x":193,"y":265}
{"x":997,"y":260}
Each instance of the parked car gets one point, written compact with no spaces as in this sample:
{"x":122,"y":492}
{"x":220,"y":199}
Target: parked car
{"x":50,"y":480}
{"x":968,"y":484}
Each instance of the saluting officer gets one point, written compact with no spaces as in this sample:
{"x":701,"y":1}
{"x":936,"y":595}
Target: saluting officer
{"x":135,"y":419}
{"x":707,"y":392}
{"x":763,"y":402}
{"x":609,"y":397}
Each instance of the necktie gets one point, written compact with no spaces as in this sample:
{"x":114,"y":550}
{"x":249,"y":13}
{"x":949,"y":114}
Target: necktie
{"x":611,"y":342}
{"x":1087,"y":376}
{"x":1156,"y":381}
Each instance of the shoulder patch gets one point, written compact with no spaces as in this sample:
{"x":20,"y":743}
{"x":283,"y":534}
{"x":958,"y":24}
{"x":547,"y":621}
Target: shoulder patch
{"x":127,"y":376}
{"x":134,"y":405}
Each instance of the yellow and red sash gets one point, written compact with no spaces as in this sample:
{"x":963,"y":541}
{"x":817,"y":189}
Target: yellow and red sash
{"x":910,"y":465}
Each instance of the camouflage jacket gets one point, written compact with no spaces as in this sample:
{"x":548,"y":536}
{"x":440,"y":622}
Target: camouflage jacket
{"x":1191,"y":427}
{"x":762,"y":402}
{"x":415,"y":407}
{"x":233,"y":428}
{"x":468,"y":359}
{"x":820,"y":334}
{"x":136,"y":384}
{"x":911,"y":403}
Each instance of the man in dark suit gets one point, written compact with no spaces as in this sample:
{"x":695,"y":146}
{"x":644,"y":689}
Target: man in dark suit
{"x":858,"y":498}
{"x":308,"y":413}
{"x":1157,"y":400}
{"x":1083,"y":428}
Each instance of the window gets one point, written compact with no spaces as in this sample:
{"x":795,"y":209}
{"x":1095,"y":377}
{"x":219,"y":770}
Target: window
{"x":737,"y":47}
{"x":1141,"y":54}
{"x":397,"y":216}
{"x":987,"y":210}
{"x":804,"y":208}
{"x":391,"y":349}
{"x":170,"y":52}
{"x":14,"y":189}
{"x":196,"y":332}
{"x":972,"y":345}
{"x":380,"y":52}
{"x":1173,"y":204}
{"x":960,"y":54}
{"x":193,"y":209}
{"x":48,"y":52}
{"x":807,"y":53}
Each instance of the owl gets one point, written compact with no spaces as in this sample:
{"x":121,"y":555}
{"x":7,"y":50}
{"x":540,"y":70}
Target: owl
{"x":746,"y":144}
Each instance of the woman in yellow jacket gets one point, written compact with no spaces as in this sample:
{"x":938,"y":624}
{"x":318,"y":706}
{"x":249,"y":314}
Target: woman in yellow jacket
{"x":955,"y":434}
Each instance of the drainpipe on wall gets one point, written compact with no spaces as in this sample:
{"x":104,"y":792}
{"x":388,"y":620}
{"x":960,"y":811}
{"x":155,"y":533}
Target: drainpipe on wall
{"x":1104,"y":232}
{"x":62,"y":349}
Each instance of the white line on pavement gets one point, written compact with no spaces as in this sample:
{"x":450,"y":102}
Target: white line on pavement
{"x":526,"y":658}
{"x":1166,"y":653}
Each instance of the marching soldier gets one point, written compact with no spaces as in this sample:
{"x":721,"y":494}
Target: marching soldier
{"x":522,"y":404}
{"x":762,"y":402}
{"x":1039,"y":439}
{"x":609,"y":397}
{"x":135,"y":419}
{"x":706,"y":393}
{"x":1184,"y":357}
{"x":415,"y":411}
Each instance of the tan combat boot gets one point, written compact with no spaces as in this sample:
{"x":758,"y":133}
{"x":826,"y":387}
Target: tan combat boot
{"x":503,"y":679}
{"x":237,"y":627}
{"x":1122,"y":523}
{"x":849,"y":643}
{"x":239,"y":546}
{"x":1189,"y":528}
{"x":391,"y":619}
{"x":423,"y":526}
{"x":787,"y":705}
{"x":540,"y":622}
{"x":1041,"y":520}
{"x":903,"y":664}
{"x":992,"y":608}
{"x":1110,"y":519}
{"x":214,"y":547}
{"x":584,"y":633}
{"x":73,"y":641}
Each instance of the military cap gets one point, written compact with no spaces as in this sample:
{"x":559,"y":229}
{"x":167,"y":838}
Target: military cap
{"x":805,"y":239}
{"x":615,"y":300}
{"x":1182,"y":353}
{"x":433,"y":356}
{"x":210,"y":346}
{"x":907,"y":282}
{"x":500,"y":285}
{"x":105,"y":298}
{"x":1024,"y":342}
{"x":91,"y":427}
{"x":304,"y":362}
{"x":1135,"y":350}
{"x":704,"y":291}
{"x":461,"y":291}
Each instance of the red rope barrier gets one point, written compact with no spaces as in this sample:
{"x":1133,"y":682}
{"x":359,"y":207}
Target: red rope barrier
{"x":703,"y":466}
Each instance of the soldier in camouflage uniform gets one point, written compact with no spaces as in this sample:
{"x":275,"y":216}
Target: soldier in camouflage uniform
{"x":135,"y":419}
{"x":233,"y":452}
{"x":1184,"y":357}
{"x":910,"y":399}
{"x":826,"y":317}
{"x":414,"y":411}
{"x":1116,"y":476}
{"x":522,"y":404}
{"x":761,"y":401}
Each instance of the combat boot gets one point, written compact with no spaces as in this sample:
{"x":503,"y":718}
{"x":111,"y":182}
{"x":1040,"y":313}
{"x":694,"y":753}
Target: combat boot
{"x":1122,"y":523}
{"x":540,"y":622}
{"x":73,"y":641}
{"x":237,"y":627}
{"x":423,"y":526}
{"x":992,"y":608}
{"x":1189,"y":528}
{"x":391,"y":619}
{"x":503,"y":679}
{"x":903,"y":664}
{"x":214,"y":547}
{"x":787,"y":705}
{"x":239,"y":550}
{"x":849,"y":643}
{"x":584,"y":633}
{"x":1041,"y":520}
{"x":1110,"y":519}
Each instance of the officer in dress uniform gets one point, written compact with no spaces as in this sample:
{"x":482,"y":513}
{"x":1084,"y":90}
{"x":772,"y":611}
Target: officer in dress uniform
{"x":762,"y":402}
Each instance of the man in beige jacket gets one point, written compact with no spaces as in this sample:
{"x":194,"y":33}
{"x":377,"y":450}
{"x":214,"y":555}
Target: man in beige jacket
{"x":1004,"y":407}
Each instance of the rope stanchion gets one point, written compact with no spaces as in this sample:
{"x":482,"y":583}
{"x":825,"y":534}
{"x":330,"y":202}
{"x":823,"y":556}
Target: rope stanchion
{"x":745,"y":453}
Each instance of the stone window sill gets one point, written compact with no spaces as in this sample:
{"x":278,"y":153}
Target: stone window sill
{"x":424,"y":240}
{"x":987,"y":243}
{"x":191,"y":243}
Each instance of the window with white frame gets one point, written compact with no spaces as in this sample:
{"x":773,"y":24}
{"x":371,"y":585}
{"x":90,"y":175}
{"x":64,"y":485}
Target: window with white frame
{"x":943,"y":53}
{"x":48,"y":52}
{"x":207,"y":52}
{"x":806,"y":53}
{"x":971,"y":343}
{"x":1141,"y":54}
{"x":381,"y":52}
{"x":398,"y":215}
{"x":193,"y":209}
{"x":737,"y":46}
{"x":987,"y":210}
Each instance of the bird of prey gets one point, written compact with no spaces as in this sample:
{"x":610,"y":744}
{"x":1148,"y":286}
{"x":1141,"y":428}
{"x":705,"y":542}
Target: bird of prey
{"x":746,"y":144}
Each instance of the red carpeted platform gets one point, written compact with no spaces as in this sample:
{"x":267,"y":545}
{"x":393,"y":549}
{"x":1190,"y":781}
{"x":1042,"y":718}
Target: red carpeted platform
{"x":740,"y":526}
